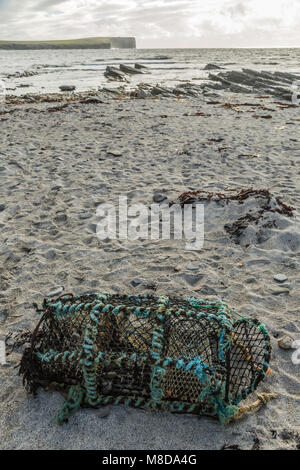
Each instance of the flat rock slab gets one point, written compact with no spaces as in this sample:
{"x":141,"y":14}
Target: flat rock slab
{"x":280,"y":278}
{"x":130,"y":70}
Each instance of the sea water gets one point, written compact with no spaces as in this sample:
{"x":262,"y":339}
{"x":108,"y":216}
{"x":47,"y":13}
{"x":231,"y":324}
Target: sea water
{"x":85,"y":68}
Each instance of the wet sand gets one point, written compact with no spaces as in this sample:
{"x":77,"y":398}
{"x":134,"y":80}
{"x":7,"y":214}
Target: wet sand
{"x":57,"y":167}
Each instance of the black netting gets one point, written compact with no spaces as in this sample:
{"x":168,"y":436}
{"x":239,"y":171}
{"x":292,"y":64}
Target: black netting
{"x":182,"y":355}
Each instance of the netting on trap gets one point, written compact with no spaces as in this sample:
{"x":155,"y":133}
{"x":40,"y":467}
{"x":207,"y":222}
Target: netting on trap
{"x":162,"y":353}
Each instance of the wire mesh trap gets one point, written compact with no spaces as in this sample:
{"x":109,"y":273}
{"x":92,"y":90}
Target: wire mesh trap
{"x":184,"y":356}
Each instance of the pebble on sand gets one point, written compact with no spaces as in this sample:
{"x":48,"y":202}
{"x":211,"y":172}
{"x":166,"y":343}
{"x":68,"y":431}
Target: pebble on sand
{"x":193,"y":279}
{"x":158,"y":197}
{"x":67,"y":88}
{"x":136,"y":282}
{"x":286,"y":342}
{"x":55,"y":293}
{"x":280,"y":278}
{"x":193,"y":267}
{"x":103,"y":413}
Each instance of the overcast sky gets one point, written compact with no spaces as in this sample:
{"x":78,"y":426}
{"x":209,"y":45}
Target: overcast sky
{"x":157,"y":23}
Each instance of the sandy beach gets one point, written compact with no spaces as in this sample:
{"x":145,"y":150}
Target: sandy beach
{"x":60,"y":161}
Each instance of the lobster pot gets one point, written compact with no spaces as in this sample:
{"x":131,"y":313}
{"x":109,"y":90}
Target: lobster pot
{"x":188,"y":356}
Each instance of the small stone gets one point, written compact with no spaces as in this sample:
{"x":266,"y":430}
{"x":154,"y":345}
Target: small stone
{"x":13,"y":258}
{"x":2,"y":207}
{"x":84,"y":216}
{"x":114,"y":153}
{"x":207,"y":290}
{"x":93,"y":228}
{"x":143,"y":94}
{"x":50,"y":254}
{"x":67,"y":88}
{"x":177,"y":268}
{"x":193,"y":267}
{"x":158,"y":198}
{"x":4,"y":314}
{"x":193,"y":279}
{"x":287,"y":435}
{"x":136,"y":282}
{"x":55,"y":293}
{"x":151,"y":285}
{"x":286,"y":342}
{"x":61,"y":218}
{"x":103,"y":413}
{"x":92,"y":100}
{"x":280,"y":278}
{"x":280,"y":291}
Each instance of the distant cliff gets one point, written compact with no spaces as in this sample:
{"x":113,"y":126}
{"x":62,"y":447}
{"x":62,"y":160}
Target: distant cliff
{"x":123,"y":43}
{"x":86,"y":43}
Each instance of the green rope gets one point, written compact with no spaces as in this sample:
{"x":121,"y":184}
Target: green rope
{"x":89,"y":360}
{"x":72,"y":404}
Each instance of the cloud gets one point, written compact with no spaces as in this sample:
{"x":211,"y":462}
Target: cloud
{"x":156,"y":23}
{"x":238,"y":9}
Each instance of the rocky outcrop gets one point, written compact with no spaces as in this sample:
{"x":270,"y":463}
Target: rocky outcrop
{"x":145,"y":90}
{"x":277,"y":84}
{"x":25,"y":74}
{"x":140,"y":66}
{"x":113,"y":73}
{"x":130,"y":70}
{"x":121,"y":74}
{"x":212,"y":67}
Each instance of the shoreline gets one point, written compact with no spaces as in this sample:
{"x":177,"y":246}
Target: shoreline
{"x":218,"y":83}
{"x":87,"y":70}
